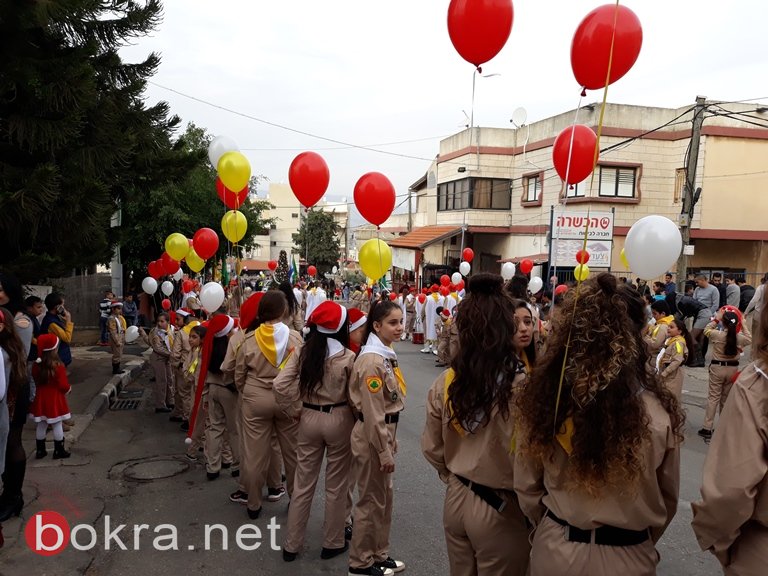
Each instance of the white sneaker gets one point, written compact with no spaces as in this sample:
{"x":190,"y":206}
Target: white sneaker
{"x":425,"y":350}
{"x":391,"y":564}
{"x":434,"y":352}
{"x":402,"y":337}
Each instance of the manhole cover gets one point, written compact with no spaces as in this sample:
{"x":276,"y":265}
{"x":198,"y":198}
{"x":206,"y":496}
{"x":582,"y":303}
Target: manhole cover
{"x":155,"y":470}
{"x":125,"y":405}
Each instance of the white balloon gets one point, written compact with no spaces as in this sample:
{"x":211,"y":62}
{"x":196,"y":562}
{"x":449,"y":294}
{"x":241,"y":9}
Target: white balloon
{"x":149,"y":285}
{"x":456,"y":277}
{"x":335,"y":269}
{"x":464,"y":268}
{"x":218,"y":147}
{"x":212,"y":296}
{"x":167,"y":288}
{"x":507,"y":270}
{"x":179,"y":275}
{"x":652,"y":246}
{"x":535,"y":285}
{"x":131,"y":334}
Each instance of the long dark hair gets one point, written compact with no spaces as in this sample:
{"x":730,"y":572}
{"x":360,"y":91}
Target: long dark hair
{"x":313,"y":357}
{"x":11,"y":343}
{"x":530,"y":350}
{"x":518,"y":287}
{"x":599,"y":339}
{"x":730,"y":321}
{"x":218,"y":351}
{"x":485,"y":320}
{"x":377,"y":313}
{"x":271,"y":307}
{"x":14,"y":291}
{"x":286,"y":289}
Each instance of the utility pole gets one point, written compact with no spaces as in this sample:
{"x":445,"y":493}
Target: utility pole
{"x":410,"y":214}
{"x":691,"y":194}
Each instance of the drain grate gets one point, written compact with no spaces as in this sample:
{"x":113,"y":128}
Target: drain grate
{"x":125,"y":405}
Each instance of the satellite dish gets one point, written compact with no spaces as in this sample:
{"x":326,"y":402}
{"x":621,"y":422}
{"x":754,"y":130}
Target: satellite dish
{"x":519,"y":116}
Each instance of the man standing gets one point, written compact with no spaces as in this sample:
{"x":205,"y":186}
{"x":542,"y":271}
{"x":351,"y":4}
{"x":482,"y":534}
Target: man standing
{"x":708,"y":295}
{"x":717,"y":282}
{"x":58,"y":321}
{"x":669,"y":286}
{"x":746,"y":293}
{"x":732,"y":291}
{"x":105,"y":309}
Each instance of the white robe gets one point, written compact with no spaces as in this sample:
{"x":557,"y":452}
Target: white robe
{"x":451,"y":301}
{"x":401,"y":301}
{"x":299,"y":296}
{"x":433,"y":301}
{"x":314,"y":297}
{"x":418,"y":326}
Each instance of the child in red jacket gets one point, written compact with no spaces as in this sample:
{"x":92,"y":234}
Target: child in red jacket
{"x":50,"y":403}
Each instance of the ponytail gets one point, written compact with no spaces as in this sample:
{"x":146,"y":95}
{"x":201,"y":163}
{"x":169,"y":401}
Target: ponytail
{"x":730,"y":321}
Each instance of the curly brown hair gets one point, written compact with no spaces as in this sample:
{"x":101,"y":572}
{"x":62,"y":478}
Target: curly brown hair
{"x":485,"y":365}
{"x":598,"y":334}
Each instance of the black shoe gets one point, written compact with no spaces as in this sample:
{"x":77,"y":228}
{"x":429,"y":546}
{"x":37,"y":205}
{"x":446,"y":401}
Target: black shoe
{"x":392,"y":564}
{"x":185,"y":426}
{"x":328,"y":553}
{"x":171,"y":406}
{"x":236,"y":473}
{"x":162,"y":410}
{"x":41,"y":451}
{"x":253,"y":514}
{"x":348,"y":532}
{"x":289,"y":556}
{"x":59,"y":451}
{"x":176,"y":419}
{"x":11,"y":506}
{"x":704,"y":433}
{"x":212,"y":475}
{"x":370,"y":571}
{"x":239,"y":497}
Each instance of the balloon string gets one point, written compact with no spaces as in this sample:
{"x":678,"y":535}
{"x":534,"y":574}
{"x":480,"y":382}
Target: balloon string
{"x":378,"y":247}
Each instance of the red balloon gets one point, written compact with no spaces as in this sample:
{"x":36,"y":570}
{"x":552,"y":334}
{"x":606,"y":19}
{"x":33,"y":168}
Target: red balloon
{"x":187,"y":285}
{"x":526,"y":265}
{"x":232,"y":200}
{"x":479,"y":29}
{"x":444,"y":290}
{"x":561,"y":289}
{"x":170,"y":266}
{"x":445,"y":279}
{"x":206,"y":243}
{"x":155,"y":269}
{"x":166,"y":304}
{"x":308,"y":176}
{"x":422,"y":298}
{"x":375,"y":197}
{"x":460,"y":286}
{"x":272,"y":264}
{"x":582,"y":256}
{"x":392,"y":296}
{"x":468,"y":254}
{"x":582,"y":157}
{"x":311,"y":270}
{"x":591,"y":45}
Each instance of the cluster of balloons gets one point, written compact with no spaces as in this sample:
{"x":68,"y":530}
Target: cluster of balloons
{"x":231,"y":185}
{"x":178,"y":248}
{"x":467,"y":255}
{"x":581,"y":271}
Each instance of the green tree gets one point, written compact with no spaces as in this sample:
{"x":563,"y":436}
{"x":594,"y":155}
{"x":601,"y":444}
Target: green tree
{"x":184,"y":204}
{"x":281,"y":272}
{"x":75,"y":134}
{"x":318,"y":239}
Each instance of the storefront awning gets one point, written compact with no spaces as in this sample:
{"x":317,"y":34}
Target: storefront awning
{"x":420,"y":238}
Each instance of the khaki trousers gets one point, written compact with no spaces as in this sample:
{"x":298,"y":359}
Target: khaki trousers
{"x":182,"y":394}
{"x":719,"y":387}
{"x":553,"y":555}
{"x":482,"y":541}
{"x":443,"y":345}
{"x":275,"y":470}
{"x":410,"y":322}
{"x":259,"y":419}
{"x":749,"y":553}
{"x":198,"y":432}
{"x":222,"y":416}
{"x":675,"y":383}
{"x":373,"y":511}
{"x":163,"y":387}
{"x":321,"y":434}
{"x":117,"y":351}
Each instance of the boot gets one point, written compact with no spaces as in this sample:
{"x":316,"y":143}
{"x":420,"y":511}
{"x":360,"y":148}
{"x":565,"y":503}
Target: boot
{"x":59,"y":451}
{"x":41,"y":451}
{"x":116,"y":368}
{"x":12,"y":501}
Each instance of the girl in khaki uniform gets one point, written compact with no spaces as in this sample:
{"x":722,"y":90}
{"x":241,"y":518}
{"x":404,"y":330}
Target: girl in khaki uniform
{"x":468,"y":437}
{"x":727,"y":346}
{"x":314,"y":389}
{"x":161,"y":342}
{"x":377,"y":392}
{"x":672,"y":357}
{"x":191,"y":374}
{"x":116,"y":328}
{"x":179,"y":352}
{"x":597,"y":474}
{"x":656,"y":335}
{"x":731,"y":520}
{"x":265,"y":352}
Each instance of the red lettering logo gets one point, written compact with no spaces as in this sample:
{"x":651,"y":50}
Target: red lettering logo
{"x":47,"y":533}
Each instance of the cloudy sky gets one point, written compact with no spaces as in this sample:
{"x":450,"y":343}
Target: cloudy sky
{"x":385,"y":74}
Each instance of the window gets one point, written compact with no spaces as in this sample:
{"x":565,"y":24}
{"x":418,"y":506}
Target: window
{"x":575,"y":190}
{"x":273,"y":226}
{"x":617,"y":182}
{"x":475,"y":193}
{"x":532,"y":187}
{"x":273,"y":243}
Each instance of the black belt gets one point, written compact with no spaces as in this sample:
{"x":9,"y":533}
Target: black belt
{"x":327,"y":408}
{"x":605,"y":535}
{"x":388,"y":419}
{"x":724,"y":362}
{"x":486,"y":494}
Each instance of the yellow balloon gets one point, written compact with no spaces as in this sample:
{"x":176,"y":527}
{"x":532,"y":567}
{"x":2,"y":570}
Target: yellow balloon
{"x":375,"y":258}
{"x":234,"y":171}
{"x":581,"y":272}
{"x":234,"y":225}
{"x":194,"y":261}
{"x":177,"y":246}
{"x":624,"y":259}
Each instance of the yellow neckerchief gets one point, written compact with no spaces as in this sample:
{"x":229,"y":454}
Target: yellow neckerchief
{"x":400,"y":380}
{"x":188,"y":327}
{"x":661,"y":322}
{"x":449,"y":376}
{"x":193,"y":365}
{"x":526,"y":362}
{"x":678,"y":341}
{"x":435,"y":296}
{"x":265,"y":340}
{"x":565,"y":436}
{"x":455,"y":296}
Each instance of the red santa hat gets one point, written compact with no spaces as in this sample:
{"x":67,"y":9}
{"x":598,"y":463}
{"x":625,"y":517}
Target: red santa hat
{"x":328,"y":317}
{"x":116,"y":304}
{"x":46,"y":343}
{"x":357,"y":318}
{"x":221,"y":325}
{"x":446,"y":312}
{"x":249,"y":310}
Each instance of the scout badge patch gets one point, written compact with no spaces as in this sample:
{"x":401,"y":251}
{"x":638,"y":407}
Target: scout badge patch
{"x":374,"y":383}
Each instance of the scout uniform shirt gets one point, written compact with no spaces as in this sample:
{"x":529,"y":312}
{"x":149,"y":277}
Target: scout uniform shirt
{"x":718,"y":339}
{"x":656,"y":335}
{"x":669,"y":364}
{"x":161,"y":342}
{"x":116,"y":326}
{"x":376,"y":391}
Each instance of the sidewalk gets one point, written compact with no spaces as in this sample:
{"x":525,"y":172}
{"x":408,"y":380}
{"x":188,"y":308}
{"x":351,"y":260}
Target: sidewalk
{"x":696,"y":381}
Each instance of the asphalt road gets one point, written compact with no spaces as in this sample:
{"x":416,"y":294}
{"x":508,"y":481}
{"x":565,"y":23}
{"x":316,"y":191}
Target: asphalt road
{"x":110,"y":479}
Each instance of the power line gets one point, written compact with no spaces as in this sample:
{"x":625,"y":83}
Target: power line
{"x":346,"y":147}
